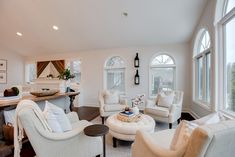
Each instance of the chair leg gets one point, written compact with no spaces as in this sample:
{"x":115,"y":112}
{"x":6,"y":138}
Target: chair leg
{"x":179,"y":120}
{"x":97,"y":156}
{"x":102,"y":120}
{"x":114,"y":142}
{"x":170,"y":125}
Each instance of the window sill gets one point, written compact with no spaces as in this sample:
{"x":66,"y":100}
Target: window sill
{"x":203,"y":105}
{"x":228,"y":114}
{"x":152,"y":97}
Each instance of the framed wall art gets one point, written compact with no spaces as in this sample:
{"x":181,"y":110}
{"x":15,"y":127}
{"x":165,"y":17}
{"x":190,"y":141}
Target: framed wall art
{"x":3,"y":65}
{"x":3,"y":78}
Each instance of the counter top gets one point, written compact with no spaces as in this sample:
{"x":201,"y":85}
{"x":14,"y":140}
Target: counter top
{"x":5,"y":103}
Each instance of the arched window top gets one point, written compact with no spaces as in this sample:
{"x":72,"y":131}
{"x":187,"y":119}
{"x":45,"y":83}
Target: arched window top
{"x":115,"y":62}
{"x":230,"y":4}
{"x":203,"y":41}
{"x":162,"y":59}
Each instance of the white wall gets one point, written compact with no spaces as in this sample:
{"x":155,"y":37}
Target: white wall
{"x":206,"y":21}
{"x":93,"y":64}
{"x":15,"y":68}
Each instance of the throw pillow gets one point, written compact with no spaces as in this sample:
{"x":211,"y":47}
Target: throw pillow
{"x":182,"y":135}
{"x":9,"y":116}
{"x":157,"y":98}
{"x":56,"y":118}
{"x":165,"y":100}
{"x":111,"y":97}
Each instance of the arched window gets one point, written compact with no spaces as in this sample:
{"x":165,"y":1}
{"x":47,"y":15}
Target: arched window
{"x":162,"y":74}
{"x":205,"y":42}
{"x":226,"y":59}
{"x":115,"y":74}
{"x":229,"y":5}
{"x":202,"y":67}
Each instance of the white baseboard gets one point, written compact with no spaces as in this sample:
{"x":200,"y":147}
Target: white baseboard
{"x":91,"y":105}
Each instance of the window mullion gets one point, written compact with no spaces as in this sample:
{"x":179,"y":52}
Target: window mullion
{"x":204,"y":76}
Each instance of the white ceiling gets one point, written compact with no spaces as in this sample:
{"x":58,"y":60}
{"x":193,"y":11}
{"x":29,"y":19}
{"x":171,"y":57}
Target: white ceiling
{"x":95,"y":24}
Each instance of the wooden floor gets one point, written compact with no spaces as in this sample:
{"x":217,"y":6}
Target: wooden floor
{"x":84,"y":113}
{"x":87,"y":113}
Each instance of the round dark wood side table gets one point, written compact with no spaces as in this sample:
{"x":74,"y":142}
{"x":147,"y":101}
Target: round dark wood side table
{"x":97,"y":130}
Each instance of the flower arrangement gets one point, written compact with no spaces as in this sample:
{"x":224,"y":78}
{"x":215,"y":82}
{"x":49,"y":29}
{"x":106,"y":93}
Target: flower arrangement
{"x":66,"y":75}
{"x":138,"y":100}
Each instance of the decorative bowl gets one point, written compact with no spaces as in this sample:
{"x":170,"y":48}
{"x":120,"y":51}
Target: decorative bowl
{"x":42,"y":93}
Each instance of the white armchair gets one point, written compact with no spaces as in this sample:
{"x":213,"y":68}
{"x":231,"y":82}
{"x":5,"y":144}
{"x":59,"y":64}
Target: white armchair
{"x":214,"y":140}
{"x":73,"y":143}
{"x":164,"y":114}
{"x":110,"y":109}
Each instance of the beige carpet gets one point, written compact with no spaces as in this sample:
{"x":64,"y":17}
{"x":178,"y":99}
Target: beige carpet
{"x":124,"y":148}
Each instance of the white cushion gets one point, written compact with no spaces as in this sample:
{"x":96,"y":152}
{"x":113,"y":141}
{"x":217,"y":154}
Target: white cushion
{"x":163,"y":138}
{"x":111,"y":97}
{"x":114,"y":107}
{"x":157,"y":99}
{"x":182,"y":135}
{"x":9,"y":116}
{"x":159,"y":111}
{"x":165,"y":100}
{"x":56,"y":118}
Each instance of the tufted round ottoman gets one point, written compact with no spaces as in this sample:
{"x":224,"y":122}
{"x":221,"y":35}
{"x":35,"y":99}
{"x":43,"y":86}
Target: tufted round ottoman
{"x":127,"y":130}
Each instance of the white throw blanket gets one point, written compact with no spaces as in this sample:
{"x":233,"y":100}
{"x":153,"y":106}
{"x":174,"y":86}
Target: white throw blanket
{"x":18,"y":128}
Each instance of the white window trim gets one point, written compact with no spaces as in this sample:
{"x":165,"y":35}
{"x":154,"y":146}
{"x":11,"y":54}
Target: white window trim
{"x":203,"y":104}
{"x":26,"y":72}
{"x":221,"y":58}
{"x":151,"y":67}
{"x":109,"y":68}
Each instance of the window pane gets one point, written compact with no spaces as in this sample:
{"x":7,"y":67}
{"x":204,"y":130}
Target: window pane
{"x":115,"y":62}
{"x":75,"y":67}
{"x":116,"y":80}
{"x":230,"y":5}
{"x":162,"y":59}
{"x":162,"y":79}
{"x":30,"y":71}
{"x":205,"y":42}
{"x":230,"y":64}
{"x":200,"y":78}
{"x":208,"y":76}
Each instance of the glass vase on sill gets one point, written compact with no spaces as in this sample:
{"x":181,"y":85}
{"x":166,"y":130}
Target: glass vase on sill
{"x":135,"y":110}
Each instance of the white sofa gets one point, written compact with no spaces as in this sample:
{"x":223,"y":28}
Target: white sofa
{"x":164,"y":114}
{"x":110,"y":109}
{"x":68,"y":144}
{"x":213,"y":140}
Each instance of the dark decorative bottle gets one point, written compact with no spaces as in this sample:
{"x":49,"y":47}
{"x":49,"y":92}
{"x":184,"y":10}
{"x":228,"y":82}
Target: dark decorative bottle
{"x":137,"y":78}
{"x":137,"y":61}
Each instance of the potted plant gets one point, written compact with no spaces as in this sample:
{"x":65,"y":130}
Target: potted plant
{"x":137,"y":101}
{"x":67,"y":76}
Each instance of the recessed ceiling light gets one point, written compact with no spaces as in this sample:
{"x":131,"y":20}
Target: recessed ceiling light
{"x":125,"y":14}
{"x":55,"y":28}
{"x":19,"y":34}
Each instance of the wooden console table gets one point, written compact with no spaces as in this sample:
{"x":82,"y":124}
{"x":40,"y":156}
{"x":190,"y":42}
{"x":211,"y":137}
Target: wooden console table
{"x":71,"y":95}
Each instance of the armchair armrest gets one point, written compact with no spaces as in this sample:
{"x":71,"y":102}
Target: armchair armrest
{"x":123,"y":101}
{"x":175,"y":112}
{"x":61,"y":136}
{"x":73,"y":117}
{"x":145,"y":145}
{"x":175,"y":108}
{"x":150,"y":103}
